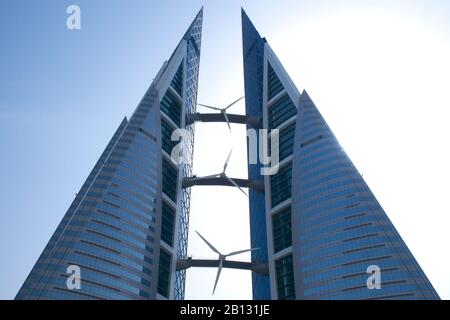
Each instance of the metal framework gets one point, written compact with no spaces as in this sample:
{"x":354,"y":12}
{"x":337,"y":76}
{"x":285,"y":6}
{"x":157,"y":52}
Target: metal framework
{"x":219,"y":117}
{"x":260,"y":268}
{"x":223,"y":181}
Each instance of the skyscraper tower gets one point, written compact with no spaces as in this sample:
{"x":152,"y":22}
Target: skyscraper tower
{"x":321,"y":230}
{"x":128,"y":224}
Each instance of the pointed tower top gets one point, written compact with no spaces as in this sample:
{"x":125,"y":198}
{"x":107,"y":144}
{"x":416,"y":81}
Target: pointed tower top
{"x":200,"y":12}
{"x":307,"y":102}
{"x":197,"y":20}
{"x":243,"y":12}
{"x":249,"y":32}
{"x":247,"y":23}
{"x":305,"y":95}
{"x":306,"y":99}
{"x":193,"y":32}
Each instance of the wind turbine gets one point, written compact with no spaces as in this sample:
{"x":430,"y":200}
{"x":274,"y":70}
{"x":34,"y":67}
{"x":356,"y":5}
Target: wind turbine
{"x":224,"y":175}
{"x":222,"y":257}
{"x":223,"y":110}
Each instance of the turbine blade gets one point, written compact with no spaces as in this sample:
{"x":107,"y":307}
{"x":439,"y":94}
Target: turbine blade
{"x":226,"y":162}
{"x":227,"y":120}
{"x":218,"y":275}
{"x":236,"y":185}
{"x":233,"y":103}
{"x":240,"y":251}
{"x":209,"y":244}
{"x":209,"y":107}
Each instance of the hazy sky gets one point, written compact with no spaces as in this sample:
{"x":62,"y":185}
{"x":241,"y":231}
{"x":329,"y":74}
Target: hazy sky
{"x":378,"y":71}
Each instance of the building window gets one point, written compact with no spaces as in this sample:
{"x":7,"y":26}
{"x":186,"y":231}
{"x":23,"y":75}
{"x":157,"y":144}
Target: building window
{"x":165,"y":261}
{"x":166,"y":135}
{"x":285,"y":278}
{"x":287,"y":136}
{"x":147,"y":134}
{"x":177,"y":82}
{"x":274,"y":85}
{"x":282,"y":229}
{"x":169,"y":180}
{"x":167,"y":223}
{"x":280,"y":111}
{"x":280,"y":185}
{"x":171,"y":106}
{"x":311,"y":141}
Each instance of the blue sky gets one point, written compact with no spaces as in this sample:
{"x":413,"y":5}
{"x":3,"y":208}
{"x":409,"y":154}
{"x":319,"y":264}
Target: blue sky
{"x":63,"y":93}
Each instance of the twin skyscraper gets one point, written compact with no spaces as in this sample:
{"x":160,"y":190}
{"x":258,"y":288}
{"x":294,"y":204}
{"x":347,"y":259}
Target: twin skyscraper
{"x":320,"y":231}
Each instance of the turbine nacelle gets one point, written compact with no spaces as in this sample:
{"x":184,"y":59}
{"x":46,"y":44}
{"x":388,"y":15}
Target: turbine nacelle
{"x":223,"y":175}
{"x":222,"y":110}
{"x":222,"y":257}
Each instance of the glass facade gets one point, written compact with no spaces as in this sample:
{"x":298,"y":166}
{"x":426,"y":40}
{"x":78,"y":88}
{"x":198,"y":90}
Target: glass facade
{"x":118,"y":223}
{"x":281,"y":114}
{"x":326,"y":228}
{"x":274,"y":84}
{"x":167,"y":223}
{"x":340,"y":230}
{"x":177,"y":82}
{"x":285,"y":278}
{"x":281,"y":110}
{"x":253,"y":48}
{"x":282,"y":229}
{"x":191,"y":70}
{"x":165,"y":261}
{"x":170,"y":180}
{"x":171,"y":106}
{"x":286,"y":147}
{"x":109,"y":230}
{"x":280,"y":185}
{"x":166,"y":134}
